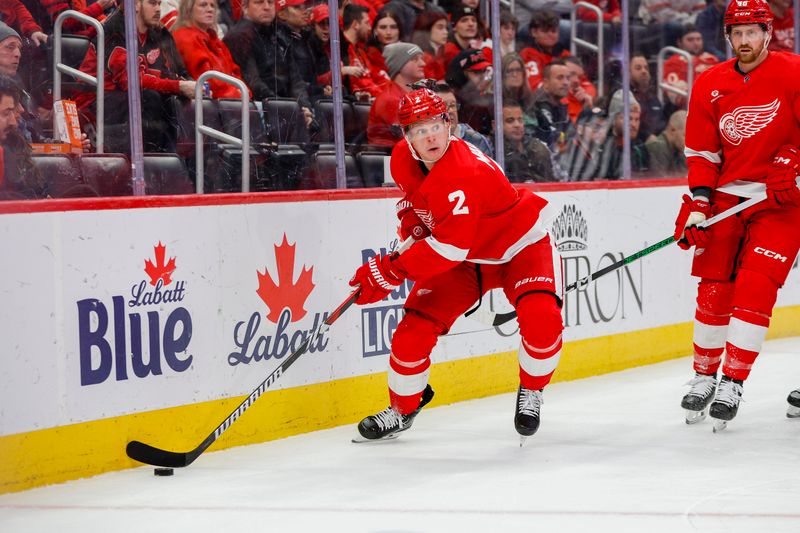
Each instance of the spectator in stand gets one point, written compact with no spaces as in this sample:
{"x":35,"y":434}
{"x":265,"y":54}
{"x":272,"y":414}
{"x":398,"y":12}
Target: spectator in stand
{"x":386,"y":29}
{"x":265,"y":57}
{"x":527,"y":159}
{"x":675,"y":68}
{"x":782,"y":26}
{"x":10,"y":50}
{"x":516,"y":89}
{"x":195,"y":34}
{"x":465,"y":34}
{"x":653,"y":119}
{"x":16,"y":15}
{"x":430,"y":34}
{"x":293,"y":32}
{"x":471,"y":76}
{"x":96,"y":10}
{"x":611,"y":11}
{"x":365,"y":82}
{"x":409,"y":10}
{"x":509,"y":25}
{"x":551,"y":115}
{"x":162,"y":76}
{"x":582,"y":92}
{"x":672,"y":15}
{"x":320,"y":42}
{"x":610,"y":164}
{"x":545,"y":48}
{"x":666,"y":151}
{"x":709,"y":22}
{"x":581,"y":160}
{"x":18,"y":177}
{"x":459,"y":129}
{"x":406,"y":67}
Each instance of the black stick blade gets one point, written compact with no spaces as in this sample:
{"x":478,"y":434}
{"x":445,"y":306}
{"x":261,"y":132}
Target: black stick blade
{"x":144,"y":453}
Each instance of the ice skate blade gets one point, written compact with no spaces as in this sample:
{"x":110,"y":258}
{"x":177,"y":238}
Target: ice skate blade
{"x":362,"y":440}
{"x":522,"y":439}
{"x":693,"y":417}
{"x":793,"y":412}
{"x":719,"y":425}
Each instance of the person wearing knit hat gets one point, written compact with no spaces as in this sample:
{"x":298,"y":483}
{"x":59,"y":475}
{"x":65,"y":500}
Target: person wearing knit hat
{"x":406,"y":66}
{"x":10,"y":50}
{"x":397,"y":55}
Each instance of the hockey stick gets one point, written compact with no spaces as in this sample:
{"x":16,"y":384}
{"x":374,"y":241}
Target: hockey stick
{"x":144,"y":453}
{"x":497,"y":319}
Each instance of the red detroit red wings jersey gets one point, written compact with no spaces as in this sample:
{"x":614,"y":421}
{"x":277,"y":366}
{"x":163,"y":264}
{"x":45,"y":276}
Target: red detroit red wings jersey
{"x":737,"y":122}
{"x":472,"y":210}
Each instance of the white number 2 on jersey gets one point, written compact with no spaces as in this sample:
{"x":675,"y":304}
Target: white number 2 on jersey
{"x":459,"y":197}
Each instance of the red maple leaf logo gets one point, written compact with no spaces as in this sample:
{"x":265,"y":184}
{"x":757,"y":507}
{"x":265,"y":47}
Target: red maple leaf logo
{"x":159,"y":270}
{"x":286,"y":293}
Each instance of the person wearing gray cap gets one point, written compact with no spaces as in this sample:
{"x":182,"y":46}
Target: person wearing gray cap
{"x":406,"y":66}
{"x":10,"y":50}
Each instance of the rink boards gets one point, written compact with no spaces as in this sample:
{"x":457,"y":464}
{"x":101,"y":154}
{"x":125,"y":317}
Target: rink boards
{"x":151,"y":318}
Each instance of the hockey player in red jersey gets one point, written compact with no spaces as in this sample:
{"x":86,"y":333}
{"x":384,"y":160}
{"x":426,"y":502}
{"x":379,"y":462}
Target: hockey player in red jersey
{"x":742,"y":136}
{"x":474,"y":232}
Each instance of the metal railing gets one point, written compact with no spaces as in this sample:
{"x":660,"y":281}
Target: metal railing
{"x":98,"y":80}
{"x":201,"y":129}
{"x":575,"y":41}
{"x":689,"y":72}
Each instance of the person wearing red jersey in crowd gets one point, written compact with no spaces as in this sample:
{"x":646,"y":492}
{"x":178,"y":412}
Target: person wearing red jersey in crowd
{"x":742,"y":136}
{"x":582,"y":92}
{"x":96,"y":10}
{"x":783,"y":26}
{"x":430,"y":34}
{"x":406,"y":67}
{"x":466,"y":34}
{"x":386,"y":29}
{"x":676,"y":69}
{"x":612,"y":13}
{"x":162,"y":75}
{"x":16,"y":15}
{"x":195,"y":35}
{"x":364,"y":81}
{"x":544,"y":32}
{"x":473,"y":232}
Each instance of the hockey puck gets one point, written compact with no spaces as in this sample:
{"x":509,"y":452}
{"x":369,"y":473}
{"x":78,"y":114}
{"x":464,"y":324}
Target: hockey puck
{"x":163,"y":471}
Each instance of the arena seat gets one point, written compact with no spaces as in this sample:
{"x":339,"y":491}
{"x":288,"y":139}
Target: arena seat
{"x":166,"y":174}
{"x":322,"y":174}
{"x":63,"y":176}
{"x":371,"y":165}
{"x":108,"y":174}
{"x":323,"y":112}
{"x":230,"y":111}
{"x":285,"y":122}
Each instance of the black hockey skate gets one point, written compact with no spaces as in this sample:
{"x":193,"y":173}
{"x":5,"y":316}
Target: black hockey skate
{"x":387,"y":424}
{"x":526,"y":416}
{"x":699,"y":396}
{"x":794,"y":404}
{"x":726,"y":402}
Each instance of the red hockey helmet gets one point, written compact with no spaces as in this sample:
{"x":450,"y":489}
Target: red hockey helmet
{"x":418,"y":105}
{"x":747,"y":12}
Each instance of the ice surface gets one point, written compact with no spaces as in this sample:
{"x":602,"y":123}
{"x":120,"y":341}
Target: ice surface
{"x":613,"y":454}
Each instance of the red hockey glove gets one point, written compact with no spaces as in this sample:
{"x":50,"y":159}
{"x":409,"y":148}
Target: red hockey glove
{"x":692,"y":213}
{"x":412,"y":226}
{"x":377,"y":279}
{"x":781,"y":182}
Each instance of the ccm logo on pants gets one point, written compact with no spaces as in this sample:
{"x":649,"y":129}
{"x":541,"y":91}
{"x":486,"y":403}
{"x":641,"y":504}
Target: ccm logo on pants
{"x":770,"y":253}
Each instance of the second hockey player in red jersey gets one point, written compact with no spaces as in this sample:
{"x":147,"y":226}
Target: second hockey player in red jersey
{"x":742,"y":137}
{"x":474,"y":232}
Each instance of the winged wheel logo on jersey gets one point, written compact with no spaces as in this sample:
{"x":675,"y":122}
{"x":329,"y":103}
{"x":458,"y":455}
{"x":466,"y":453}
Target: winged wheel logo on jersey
{"x":744,"y":122}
